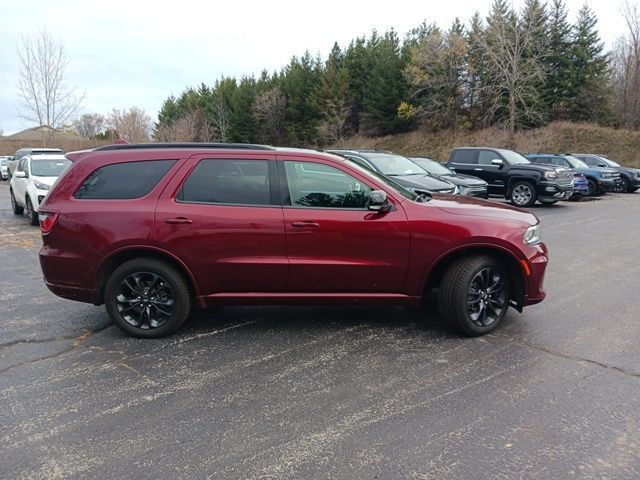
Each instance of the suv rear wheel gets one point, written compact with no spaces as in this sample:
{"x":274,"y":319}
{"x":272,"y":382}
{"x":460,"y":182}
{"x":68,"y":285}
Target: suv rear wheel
{"x":474,"y":295}
{"x":523,"y":194}
{"x":147,"y":298}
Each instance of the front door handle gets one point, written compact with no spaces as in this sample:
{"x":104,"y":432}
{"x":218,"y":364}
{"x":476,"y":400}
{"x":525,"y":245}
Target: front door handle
{"x":478,"y":169}
{"x":303,"y":224}
{"x":177,"y":220}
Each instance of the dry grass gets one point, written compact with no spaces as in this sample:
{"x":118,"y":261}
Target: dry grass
{"x":622,"y":146}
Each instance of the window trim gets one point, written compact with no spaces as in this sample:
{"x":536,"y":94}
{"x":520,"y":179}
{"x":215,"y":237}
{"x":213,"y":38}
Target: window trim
{"x":273,"y":184}
{"x":284,"y":187}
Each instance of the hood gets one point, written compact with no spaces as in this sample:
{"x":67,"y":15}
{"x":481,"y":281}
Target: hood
{"x":595,"y":171}
{"x":540,"y":167}
{"x":464,"y":180}
{"x":482,"y":208}
{"x":46,"y":180}
{"x":423,"y":181}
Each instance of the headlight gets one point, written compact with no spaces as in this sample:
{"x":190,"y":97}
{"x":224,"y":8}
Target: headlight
{"x":551,"y":175}
{"x":607,"y":175}
{"x":40,"y":185}
{"x":532,"y":235}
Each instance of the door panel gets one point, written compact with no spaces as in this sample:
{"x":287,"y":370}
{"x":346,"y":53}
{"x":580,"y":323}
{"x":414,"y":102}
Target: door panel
{"x":228,"y":246}
{"x":334,"y":244}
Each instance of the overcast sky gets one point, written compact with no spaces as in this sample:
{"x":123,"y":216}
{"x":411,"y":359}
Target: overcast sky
{"x":137,"y":53}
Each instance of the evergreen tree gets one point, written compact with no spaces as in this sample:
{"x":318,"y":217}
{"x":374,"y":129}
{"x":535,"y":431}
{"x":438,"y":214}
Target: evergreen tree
{"x":591,"y":96}
{"x":299,"y":82}
{"x":534,"y":20}
{"x":477,"y":76}
{"x":386,"y":87}
{"x":558,"y":63}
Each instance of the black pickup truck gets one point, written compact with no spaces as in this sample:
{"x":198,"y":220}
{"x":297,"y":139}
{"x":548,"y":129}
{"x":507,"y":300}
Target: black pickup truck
{"x":513,"y":176}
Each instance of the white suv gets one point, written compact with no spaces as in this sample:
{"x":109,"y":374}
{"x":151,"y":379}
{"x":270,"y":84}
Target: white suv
{"x":31,"y":180}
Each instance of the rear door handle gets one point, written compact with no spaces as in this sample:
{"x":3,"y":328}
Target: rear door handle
{"x":303,"y":224}
{"x":478,"y":169}
{"x":177,"y":220}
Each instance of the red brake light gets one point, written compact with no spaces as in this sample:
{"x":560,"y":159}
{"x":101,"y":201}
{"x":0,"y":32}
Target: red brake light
{"x":47,"y":221}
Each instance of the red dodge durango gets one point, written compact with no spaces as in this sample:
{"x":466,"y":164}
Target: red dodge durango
{"x":152,"y":230}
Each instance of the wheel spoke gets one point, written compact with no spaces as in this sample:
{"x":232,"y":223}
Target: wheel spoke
{"x":146,"y":300}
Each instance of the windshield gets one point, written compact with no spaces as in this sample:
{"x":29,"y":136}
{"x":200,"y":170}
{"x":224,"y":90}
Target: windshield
{"x":513,"y":158}
{"x":49,"y":168}
{"x":390,"y":164}
{"x":611,"y":163}
{"x":387,"y":181}
{"x":576,"y":162}
{"x":432,"y":166}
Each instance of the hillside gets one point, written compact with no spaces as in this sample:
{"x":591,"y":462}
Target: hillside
{"x":622,"y":146}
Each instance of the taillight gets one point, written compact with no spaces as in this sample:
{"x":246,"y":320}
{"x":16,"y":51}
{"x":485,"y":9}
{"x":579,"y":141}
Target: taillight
{"x":47,"y":221}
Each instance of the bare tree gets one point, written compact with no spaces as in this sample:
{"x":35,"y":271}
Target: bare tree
{"x":514,"y":68}
{"x":625,"y":72}
{"x":90,"y":125}
{"x":221,"y":120}
{"x":191,"y":127}
{"x":269,"y":109}
{"x":47,"y":100}
{"x":133,"y":125}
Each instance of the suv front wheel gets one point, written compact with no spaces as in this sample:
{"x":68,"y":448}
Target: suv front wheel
{"x":147,"y":298}
{"x":474,"y":295}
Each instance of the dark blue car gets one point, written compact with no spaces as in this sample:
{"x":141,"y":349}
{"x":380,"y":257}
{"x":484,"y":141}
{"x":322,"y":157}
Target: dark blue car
{"x":600,"y":180}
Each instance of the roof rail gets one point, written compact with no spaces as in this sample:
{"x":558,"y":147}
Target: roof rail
{"x":141,"y":146}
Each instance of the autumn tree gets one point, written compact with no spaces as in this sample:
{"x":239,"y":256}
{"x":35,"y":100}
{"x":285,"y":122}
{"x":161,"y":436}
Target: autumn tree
{"x":47,"y":100}
{"x":436,"y":76}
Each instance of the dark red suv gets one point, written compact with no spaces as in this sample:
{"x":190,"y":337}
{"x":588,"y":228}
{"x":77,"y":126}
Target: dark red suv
{"x":151,"y":230}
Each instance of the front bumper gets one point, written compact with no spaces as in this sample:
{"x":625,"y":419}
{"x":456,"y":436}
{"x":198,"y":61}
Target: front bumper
{"x":554,"y":191}
{"x":608,"y":184}
{"x":537,"y":262}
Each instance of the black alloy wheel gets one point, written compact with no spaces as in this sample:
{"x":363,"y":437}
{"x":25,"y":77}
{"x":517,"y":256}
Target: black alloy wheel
{"x":474,"y":295}
{"x":623,"y":186}
{"x":147,"y":298}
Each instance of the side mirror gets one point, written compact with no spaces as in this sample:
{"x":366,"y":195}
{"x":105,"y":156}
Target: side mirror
{"x":498,"y":162}
{"x":378,"y":201}
{"x":603,"y":165}
{"x":20,"y":174}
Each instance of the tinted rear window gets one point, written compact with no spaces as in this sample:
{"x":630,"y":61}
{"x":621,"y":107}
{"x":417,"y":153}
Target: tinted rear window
{"x":235,"y":182}
{"x":465,"y":156}
{"x":124,"y":180}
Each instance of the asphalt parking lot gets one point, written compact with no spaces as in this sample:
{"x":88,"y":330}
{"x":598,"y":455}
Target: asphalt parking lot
{"x":265,"y":393}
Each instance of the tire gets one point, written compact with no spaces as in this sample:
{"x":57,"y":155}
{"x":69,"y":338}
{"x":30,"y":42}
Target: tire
{"x":17,"y":209}
{"x":523,"y":194}
{"x":593,"y":189}
{"x":624,"y":185}
{"x":474,"y":295}
{"x":32,"y":215}
{"x":147,"y":298}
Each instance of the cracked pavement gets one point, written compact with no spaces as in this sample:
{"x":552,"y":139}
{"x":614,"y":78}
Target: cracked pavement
{"x":283,"y":392}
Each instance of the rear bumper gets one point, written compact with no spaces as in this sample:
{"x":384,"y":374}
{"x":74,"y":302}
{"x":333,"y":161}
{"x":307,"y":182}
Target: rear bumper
{"x":74,"y":293}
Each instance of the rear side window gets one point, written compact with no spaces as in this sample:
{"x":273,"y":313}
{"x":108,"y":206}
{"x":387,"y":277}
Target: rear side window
{"x":230,"y":182}
{"x":124,"y":181}
{"x":465,"y":156}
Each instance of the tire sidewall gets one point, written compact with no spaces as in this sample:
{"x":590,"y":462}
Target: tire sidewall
{"x":112,"y":289}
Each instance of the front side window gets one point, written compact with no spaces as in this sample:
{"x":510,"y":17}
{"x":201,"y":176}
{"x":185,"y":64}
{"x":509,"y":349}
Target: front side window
{"x":234,"y":182}
{"x":314,"y":185}
{"x":124,"y":180}
{"x":486,"y":157}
